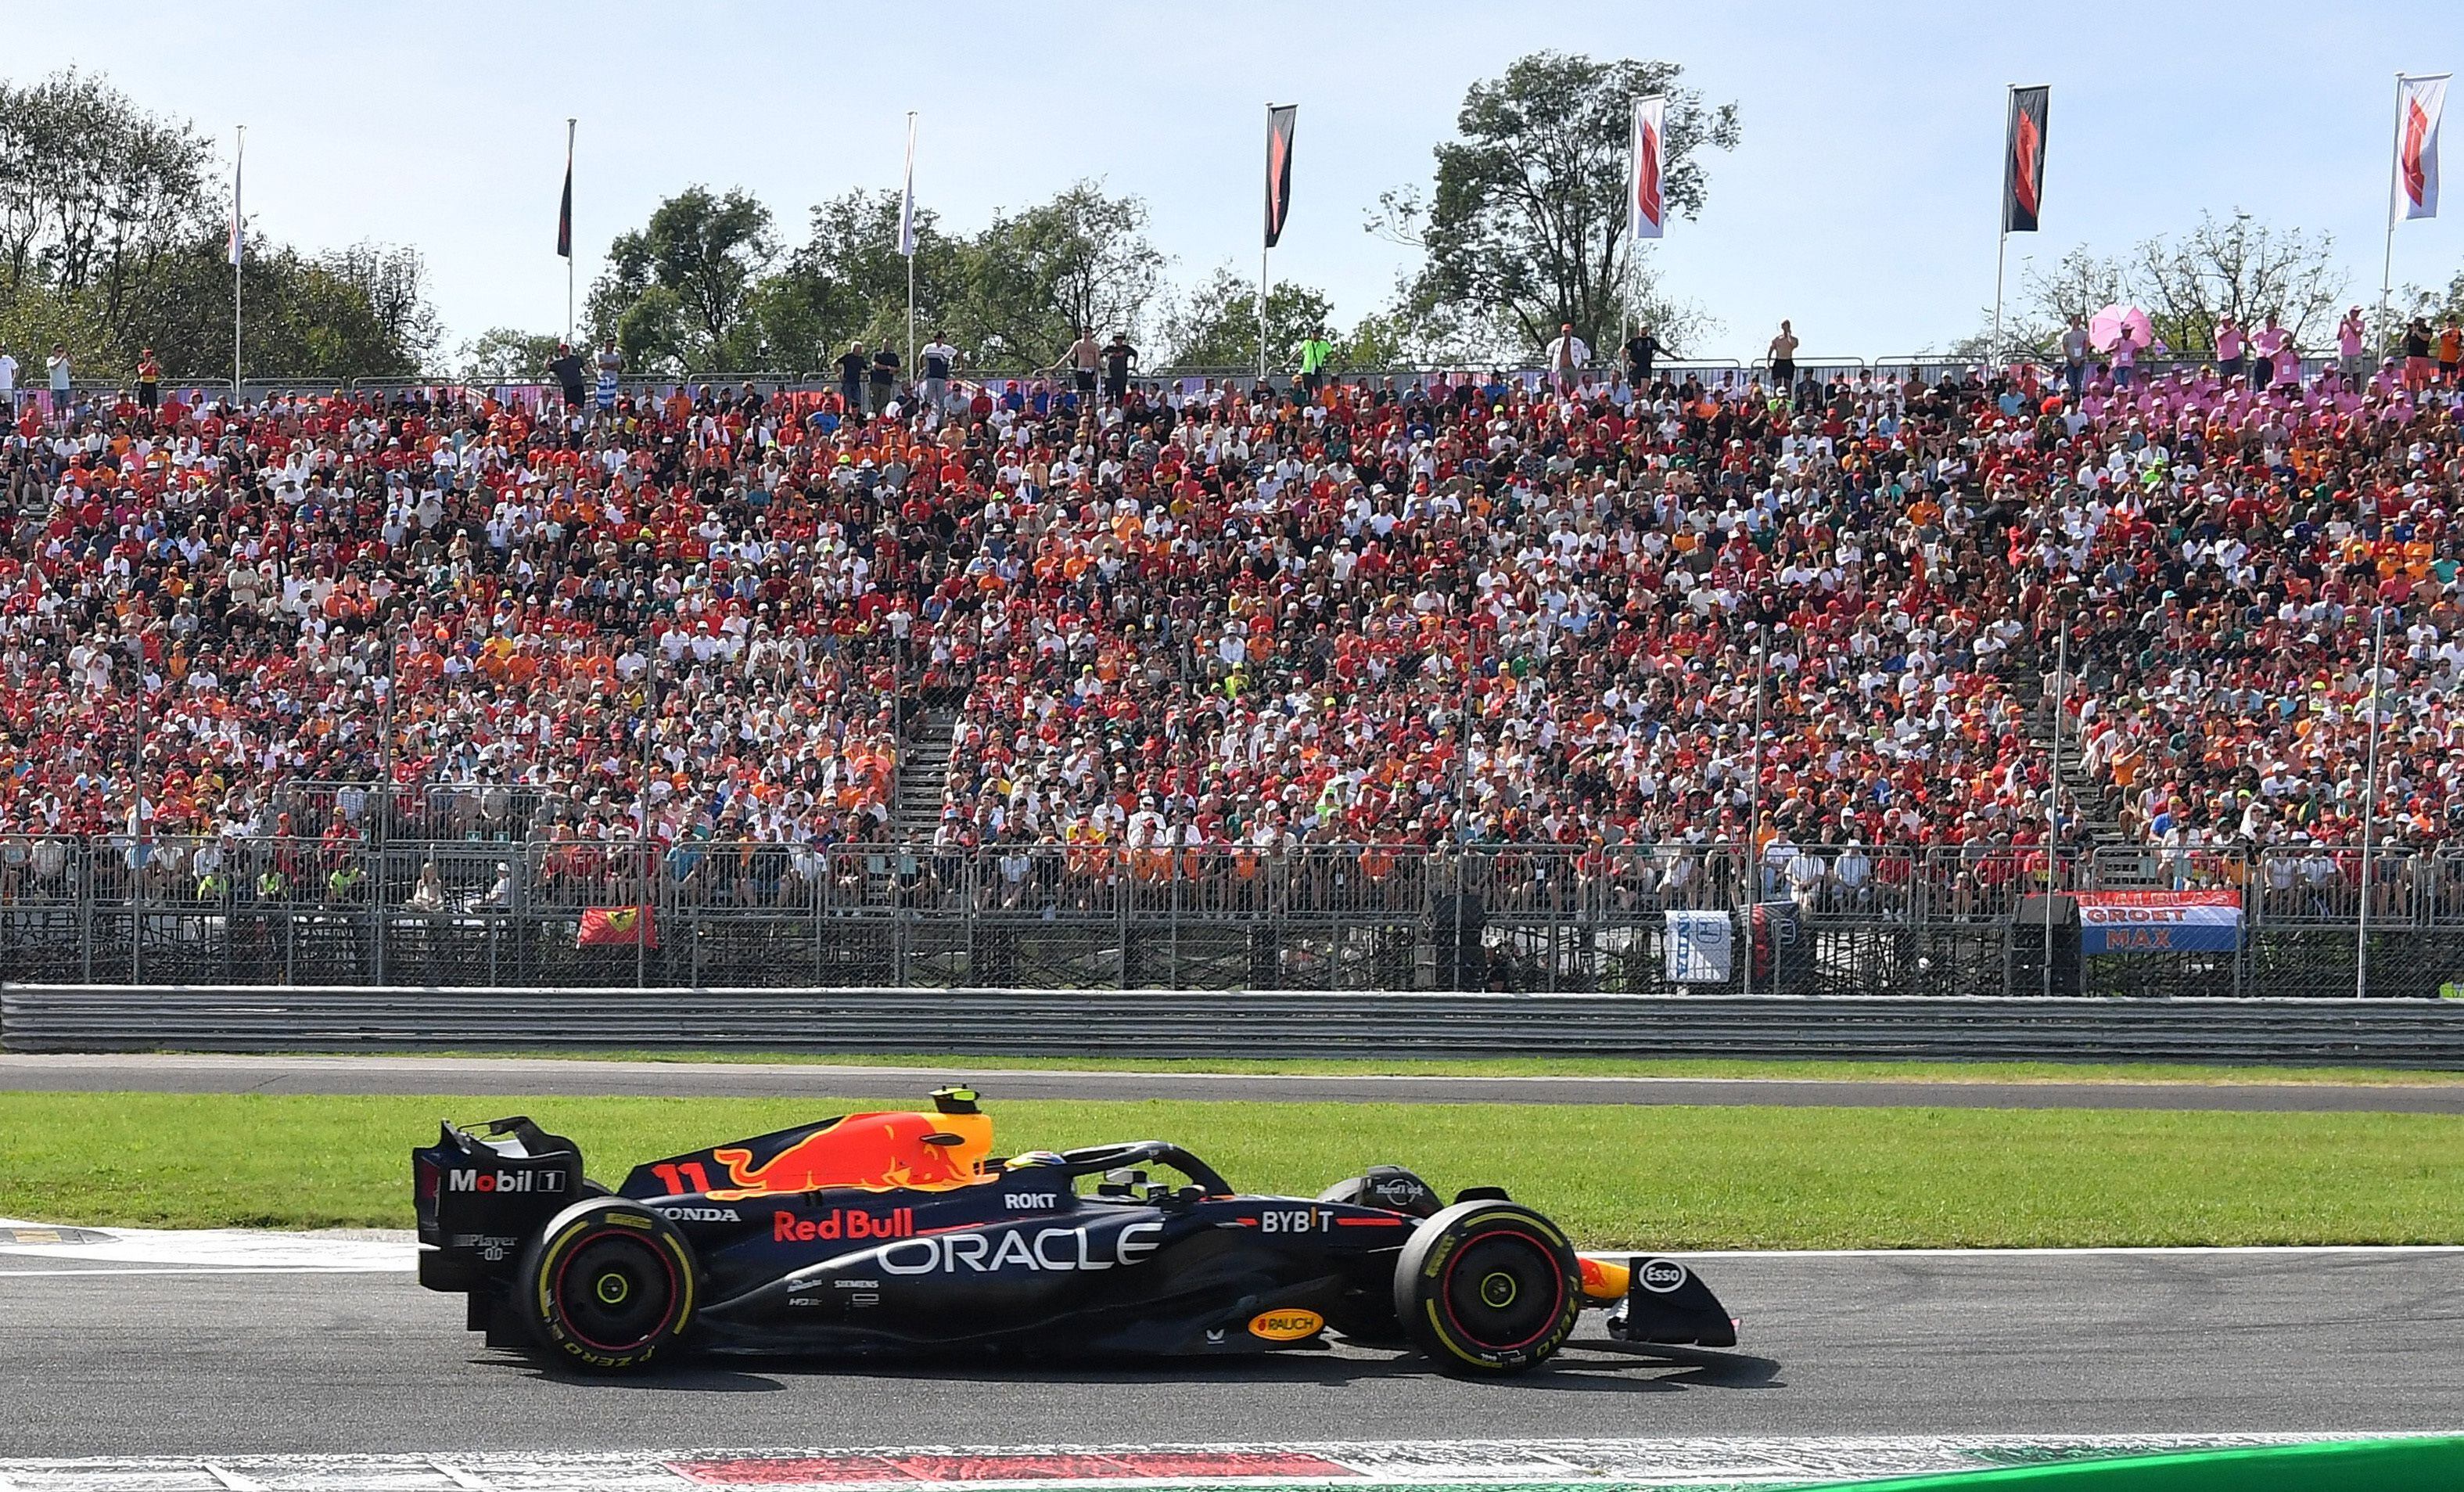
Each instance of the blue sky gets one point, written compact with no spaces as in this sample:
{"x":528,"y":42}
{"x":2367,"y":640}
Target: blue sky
{"x":1861,"y":203}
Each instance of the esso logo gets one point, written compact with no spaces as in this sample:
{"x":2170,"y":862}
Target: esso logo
{"x":1661,"y":1276}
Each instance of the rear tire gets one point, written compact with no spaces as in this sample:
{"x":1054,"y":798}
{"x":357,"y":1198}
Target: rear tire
{"x":1487,"y":1289}
{"x":608,"y":1285}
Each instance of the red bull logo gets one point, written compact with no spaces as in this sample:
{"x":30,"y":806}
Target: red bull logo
{"x":842,"y":1222}
{"x":880,"y":1152}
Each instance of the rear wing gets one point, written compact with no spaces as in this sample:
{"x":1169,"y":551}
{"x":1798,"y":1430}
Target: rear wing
{"x":481,"y":1196}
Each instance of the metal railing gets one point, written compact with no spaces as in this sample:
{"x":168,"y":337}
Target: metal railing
{"x":506,"y":902}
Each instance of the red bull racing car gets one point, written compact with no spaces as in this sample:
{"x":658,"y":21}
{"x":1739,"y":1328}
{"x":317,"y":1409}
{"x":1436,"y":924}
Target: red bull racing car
{"x":902,"y":1233}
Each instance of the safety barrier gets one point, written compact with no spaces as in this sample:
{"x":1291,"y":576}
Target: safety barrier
{"x":1157,"y":1022}
{"x":509,"y":898}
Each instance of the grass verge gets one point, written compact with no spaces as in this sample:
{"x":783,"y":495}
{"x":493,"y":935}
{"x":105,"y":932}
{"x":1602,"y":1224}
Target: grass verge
{"x":1550,"y":1067}
{"x":1616,"y":1177}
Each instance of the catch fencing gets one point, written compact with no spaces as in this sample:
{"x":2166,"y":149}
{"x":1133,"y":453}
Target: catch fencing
{"x":510,"y":902}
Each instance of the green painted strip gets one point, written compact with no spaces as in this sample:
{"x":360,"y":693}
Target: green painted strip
{"x":2409,"y":1465}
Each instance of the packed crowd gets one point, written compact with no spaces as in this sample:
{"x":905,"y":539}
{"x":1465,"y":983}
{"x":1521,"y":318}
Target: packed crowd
{"x":1595,"y":607}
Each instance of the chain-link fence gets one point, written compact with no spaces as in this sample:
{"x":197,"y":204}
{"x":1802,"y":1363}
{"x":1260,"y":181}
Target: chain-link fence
{"x":501,"y":905}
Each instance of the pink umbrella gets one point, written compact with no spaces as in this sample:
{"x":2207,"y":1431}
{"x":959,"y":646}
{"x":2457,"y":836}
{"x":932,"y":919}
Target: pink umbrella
{"x":2105,"y":328}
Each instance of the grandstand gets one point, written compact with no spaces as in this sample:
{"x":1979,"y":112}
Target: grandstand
{"x":1019,"y":657}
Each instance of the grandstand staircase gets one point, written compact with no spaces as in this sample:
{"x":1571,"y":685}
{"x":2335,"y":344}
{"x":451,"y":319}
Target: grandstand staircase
{"x":2120,"y":862}
{"x":923,"y":774}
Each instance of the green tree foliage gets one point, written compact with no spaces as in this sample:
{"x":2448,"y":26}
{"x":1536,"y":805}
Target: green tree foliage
{"x":113,"y":238}
{"x":1524,"y":225}
{"x":702,"y":287}
{"x":506,"y":354}
{"x":2235,"y":265}
{"x":1216,"y":325}
{"x":676,"y":291}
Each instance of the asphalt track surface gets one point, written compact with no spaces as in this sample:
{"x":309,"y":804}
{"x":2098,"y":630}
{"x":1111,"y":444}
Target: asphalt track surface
{"x":190,"y":1362}
{"x":560,"y":1077}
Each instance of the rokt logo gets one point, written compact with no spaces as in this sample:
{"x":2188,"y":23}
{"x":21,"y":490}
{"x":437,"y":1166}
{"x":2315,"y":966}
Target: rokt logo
{"x":473,"y":1181}
{"x":1030,"y":1201}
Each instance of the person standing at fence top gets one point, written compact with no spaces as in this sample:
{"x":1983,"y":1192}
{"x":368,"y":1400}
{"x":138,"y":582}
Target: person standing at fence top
{"x":2232,"y":344}
{"x":941,"y":359}
{"x":566,"y":369}
{"x":2352,"y":334}
{"x":611,"y":366}
{"x":2277,"y":362}
{"x":1568,"y":356}
{"x":1083,"y":357}
{"x":1315,"y":351}
{"x":149,"y":382}
{"x":1118,"y":359}
{"x":852,"y":365}
{"x":59,"y":369}
{"x":2075,"y":355}
{"x":8,"y":383}
{"x":885,"y":377}
{"x":1641,"y":349}
{"x":1783,"y":359}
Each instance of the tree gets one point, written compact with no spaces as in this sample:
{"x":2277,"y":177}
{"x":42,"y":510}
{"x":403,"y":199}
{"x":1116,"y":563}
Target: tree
{"x":392,"y":278}
{"x":505,"y":354}
{"x":1033,"y":278}
{"x":2235,"y":265}
{"x":1525,"y":228}
{"x":1216,"y":325}
{"x":676,"y":291}
{"x":2242,"y":267}
{"x":849,"y":281}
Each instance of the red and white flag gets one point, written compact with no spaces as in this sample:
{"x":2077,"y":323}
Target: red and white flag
{"x":2419,"y":103}
{"x":1646,"y":210}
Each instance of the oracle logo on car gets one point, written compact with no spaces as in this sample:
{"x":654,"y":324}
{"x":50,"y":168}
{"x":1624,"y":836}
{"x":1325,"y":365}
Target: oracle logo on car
{"x":842,"y":1222}
{"x":1053,"y":1249}
{"x":473,"y":1181}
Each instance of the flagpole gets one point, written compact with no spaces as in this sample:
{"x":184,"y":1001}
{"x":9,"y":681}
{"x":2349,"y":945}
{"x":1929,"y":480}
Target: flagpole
{"x":2002,"y":211}
{"x":1264,"y":248}
{"x":2369,"y":808}
{"x":569,"y":124}
{"x":909,"y":234}
{"x":239,"y":253}
{"x":2386,"y":257}
{"x":648,"y":851}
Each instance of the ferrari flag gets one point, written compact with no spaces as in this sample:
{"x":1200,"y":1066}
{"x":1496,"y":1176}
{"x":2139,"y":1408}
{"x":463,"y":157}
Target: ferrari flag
{"x":1279,"y":167}
{"x":2023,"y":160}
{"x":1645,"y":208}
{"x":2419,"y":101}
{"x":617,"y":926}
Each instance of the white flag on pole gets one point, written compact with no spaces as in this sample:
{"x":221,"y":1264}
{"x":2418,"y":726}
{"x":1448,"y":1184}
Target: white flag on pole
{"x":1645,"y":208}
{"x":236,"y":220}
{"x":907,"y":206}
{"x":2419,"y":101}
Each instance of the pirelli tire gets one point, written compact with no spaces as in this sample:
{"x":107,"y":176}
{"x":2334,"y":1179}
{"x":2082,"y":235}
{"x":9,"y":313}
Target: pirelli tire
{"x":1487,"y":1289}
{"x":608,"y":1286}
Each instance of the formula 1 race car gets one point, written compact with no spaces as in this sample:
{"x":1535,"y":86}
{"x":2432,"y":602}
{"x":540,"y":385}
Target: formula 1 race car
{"x":901,"y":1233}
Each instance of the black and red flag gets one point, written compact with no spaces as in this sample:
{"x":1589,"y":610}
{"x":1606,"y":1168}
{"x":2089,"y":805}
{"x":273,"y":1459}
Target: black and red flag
{"x":564,"y":213}
{"x":2023,"y":160}
{"x":1279,"y":167}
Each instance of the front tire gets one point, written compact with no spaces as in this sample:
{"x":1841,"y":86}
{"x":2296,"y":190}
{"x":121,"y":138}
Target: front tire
{"x":1487,"y":1289}
{"x":608,"y":1285}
